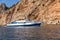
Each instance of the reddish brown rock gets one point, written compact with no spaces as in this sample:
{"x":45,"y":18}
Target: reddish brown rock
{"x":46,"y":10}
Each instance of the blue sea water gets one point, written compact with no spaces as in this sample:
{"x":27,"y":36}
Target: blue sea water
{"x":19,"y":33}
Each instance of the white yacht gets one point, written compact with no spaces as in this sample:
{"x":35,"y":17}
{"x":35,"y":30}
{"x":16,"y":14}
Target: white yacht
{"x":24,"y":23}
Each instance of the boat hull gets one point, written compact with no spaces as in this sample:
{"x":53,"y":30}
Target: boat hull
{"x":27,"y":25}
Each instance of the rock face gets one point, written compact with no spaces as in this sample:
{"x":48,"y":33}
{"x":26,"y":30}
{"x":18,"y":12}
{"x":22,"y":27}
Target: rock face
{"x":2,"y":7}
{"x":46,"y":10}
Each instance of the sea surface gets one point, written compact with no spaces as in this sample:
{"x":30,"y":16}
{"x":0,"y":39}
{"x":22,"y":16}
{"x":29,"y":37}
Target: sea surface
{"x":19,"y":33}
{"x":44,"y":32}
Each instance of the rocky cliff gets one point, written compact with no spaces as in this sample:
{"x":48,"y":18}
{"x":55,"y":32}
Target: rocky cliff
{"x":46,"y":10}
{"x":3,"y":7}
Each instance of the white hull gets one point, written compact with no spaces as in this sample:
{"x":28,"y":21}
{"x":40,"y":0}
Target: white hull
{"x":23,"y":23}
